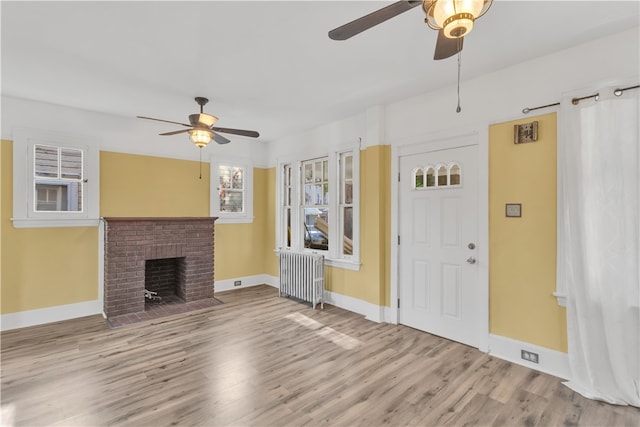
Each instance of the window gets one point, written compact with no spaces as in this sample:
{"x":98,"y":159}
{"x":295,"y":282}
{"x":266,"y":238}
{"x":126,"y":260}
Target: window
{"x":346,"y":202}
{"x":231,"y":187}
{"x":55,"y":180}
{"x":315,"y":207}
{"x":319,"y":206}
{"x":287,"y":192}
{"x":447,"y":176}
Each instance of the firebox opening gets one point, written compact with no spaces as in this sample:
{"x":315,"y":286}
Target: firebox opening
{"x":164,"y":281}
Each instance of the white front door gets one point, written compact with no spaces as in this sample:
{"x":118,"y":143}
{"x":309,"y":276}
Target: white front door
{"x":439,"y":288}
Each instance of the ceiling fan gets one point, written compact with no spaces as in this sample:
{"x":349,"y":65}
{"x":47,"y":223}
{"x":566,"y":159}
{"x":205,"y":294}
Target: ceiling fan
{"x":452,"y":18}
{"x":201,"y":130}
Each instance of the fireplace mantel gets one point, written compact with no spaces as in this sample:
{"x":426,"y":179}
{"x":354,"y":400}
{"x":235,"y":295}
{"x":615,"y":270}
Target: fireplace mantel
{"x":159,"y":218}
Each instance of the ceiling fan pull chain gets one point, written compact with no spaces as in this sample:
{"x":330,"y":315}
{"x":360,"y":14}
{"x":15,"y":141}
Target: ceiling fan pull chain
{"x":200,"y":162}
{"x":458,"y":109}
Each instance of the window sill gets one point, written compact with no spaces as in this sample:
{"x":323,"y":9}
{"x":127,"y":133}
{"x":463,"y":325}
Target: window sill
{"x":54,"y":223}
{"x":562,"y":299}
{"x":243,"y":220}
{"x":337,"y":263}
{"x":343,"y":263}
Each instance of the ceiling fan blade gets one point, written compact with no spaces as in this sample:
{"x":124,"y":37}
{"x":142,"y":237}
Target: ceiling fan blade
{"x":166,"y":121}
{"x":359,"y":25}
{"x":220,"y":139}
{"x":175,"y":132}
{"x":446,"y":47}
{"x":251,"y":133}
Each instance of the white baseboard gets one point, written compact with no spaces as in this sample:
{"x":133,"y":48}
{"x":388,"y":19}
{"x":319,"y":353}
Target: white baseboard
{"x":372,"y":312}
{"x":549,"y":361}
{"x":246,"y":281}
{"x":41,"y":316}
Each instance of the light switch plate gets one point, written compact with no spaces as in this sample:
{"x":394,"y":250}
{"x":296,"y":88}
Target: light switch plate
{"x":513,"y":210}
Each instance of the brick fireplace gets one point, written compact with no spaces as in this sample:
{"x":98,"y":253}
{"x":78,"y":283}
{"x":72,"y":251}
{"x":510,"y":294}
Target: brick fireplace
{"x":173,"y":256}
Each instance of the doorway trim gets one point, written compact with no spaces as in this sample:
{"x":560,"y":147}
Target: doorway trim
{"x":438,"y":141}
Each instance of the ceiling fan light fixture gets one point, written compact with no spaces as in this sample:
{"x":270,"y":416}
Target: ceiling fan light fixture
{"x":454,"y":17}
{"x":200,"y":137}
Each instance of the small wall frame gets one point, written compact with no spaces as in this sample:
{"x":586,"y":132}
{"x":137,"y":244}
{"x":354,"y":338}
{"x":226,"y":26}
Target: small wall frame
{"x":513,"y":210}
{"x":525,"y":132}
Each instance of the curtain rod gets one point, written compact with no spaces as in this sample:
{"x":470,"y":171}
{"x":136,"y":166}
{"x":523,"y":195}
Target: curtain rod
{"x":576,"y":101}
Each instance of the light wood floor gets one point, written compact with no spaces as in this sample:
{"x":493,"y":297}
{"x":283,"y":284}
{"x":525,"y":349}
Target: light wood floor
{"x":265,"y":361}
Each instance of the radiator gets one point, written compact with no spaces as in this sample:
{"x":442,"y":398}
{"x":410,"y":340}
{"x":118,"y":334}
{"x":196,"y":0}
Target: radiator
{"x":302,"y":277}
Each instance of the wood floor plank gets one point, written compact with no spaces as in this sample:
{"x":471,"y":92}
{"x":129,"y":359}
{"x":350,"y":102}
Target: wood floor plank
{"x":258,"y":360}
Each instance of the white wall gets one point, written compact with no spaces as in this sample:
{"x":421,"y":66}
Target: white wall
{"x":492,"y":98}
{"x":501,"y":96}
{"x":120,"y":134}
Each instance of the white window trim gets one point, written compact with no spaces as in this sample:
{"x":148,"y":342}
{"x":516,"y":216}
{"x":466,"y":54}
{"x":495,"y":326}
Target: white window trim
{"x":24,"y":216}
{"x":333,"y":256}
{"x":214,"y":201}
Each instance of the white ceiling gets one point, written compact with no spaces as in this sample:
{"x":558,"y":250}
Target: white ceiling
{"x":265,"y":65}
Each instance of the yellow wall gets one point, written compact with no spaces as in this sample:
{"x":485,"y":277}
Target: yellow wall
{"x":271,"y":259}
{"x":372,"y":282}
{"x":43,"y":267}
{"x":134,"y":185}
{"x":240,"y":248}
{"x":523,"y":250}
{"x":46,"y":267}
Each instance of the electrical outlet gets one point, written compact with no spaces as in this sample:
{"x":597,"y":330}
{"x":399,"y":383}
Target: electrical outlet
{"x":237,"y":282}
{"x":529,"y":356}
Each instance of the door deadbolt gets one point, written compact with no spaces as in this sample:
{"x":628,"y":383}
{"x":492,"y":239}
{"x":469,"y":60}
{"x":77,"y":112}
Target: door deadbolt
{"x":471,"y":245}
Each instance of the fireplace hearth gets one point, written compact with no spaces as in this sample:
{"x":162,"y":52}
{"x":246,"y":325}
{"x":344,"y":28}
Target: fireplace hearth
{"x":172,"y":258}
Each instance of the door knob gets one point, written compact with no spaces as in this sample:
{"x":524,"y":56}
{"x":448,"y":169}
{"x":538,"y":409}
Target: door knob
{"x":471,"y":260}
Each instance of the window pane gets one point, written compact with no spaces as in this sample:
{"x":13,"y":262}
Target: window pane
{"x":419,"y":179}
{"x":308,"y":173}
{"x":231,"y":177}
{"x":316,"y":228}
{"x":308,"y":194}
{"x":54,"y":197}
{"x":288,"y":215}
{"x":231,"y":200}
{"x":347,"y":239}
{"x":318,"y":194}
{"x":442,"y":176}
{"x":46,"y":161}
{"x":348,"y":193}
{"x":454,"y":175}
{"x":237,"y":179}
{"x":225,"y":177}
{"x":70,"y":163}
{"x":318,"y":171}
{"x":348,"y":167}
{"x":325,"y":170}
{"x":431,"y":179}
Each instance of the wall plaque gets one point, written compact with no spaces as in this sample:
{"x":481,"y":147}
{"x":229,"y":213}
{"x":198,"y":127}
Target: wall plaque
{"x":525,"y":132}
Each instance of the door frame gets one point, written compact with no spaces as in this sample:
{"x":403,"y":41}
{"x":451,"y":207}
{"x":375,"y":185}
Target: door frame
{"x":441,"y":141}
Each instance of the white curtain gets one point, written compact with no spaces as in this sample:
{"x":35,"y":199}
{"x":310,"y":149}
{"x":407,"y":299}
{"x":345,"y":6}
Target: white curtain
{"x":598,"y":243}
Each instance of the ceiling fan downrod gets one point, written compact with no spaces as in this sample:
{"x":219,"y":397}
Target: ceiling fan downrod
{"x":201,"y":102}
